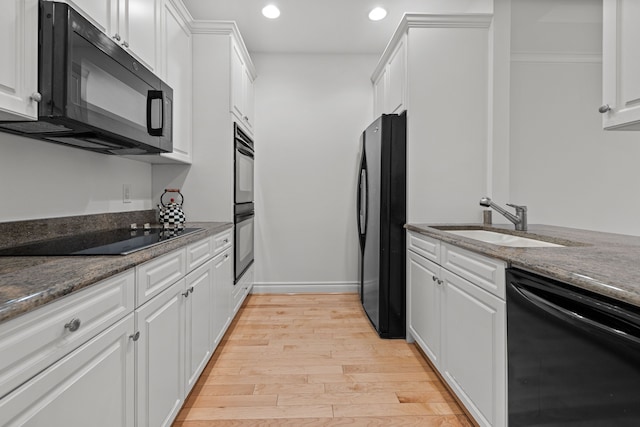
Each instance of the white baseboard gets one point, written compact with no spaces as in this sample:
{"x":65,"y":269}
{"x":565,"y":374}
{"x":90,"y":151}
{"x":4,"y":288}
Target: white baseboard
{"x":304,"y":287}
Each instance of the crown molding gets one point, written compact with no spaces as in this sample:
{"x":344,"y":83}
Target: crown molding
{"x":424,"y":20}
{"x":224,"y":28}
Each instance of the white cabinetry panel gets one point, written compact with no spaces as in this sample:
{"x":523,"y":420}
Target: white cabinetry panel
{"x":19,"y":52}
{"x":34,"y":341}
{"x":424,"y":300}
{"x":621,"y":65}
{"x":92,"y":386}
{"x":160,"y":357}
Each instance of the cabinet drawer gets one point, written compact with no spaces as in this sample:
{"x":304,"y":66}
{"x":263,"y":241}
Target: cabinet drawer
{"x":199,"y":252}
{"x":30,"y":343}
{"x":426,"y":246}
{"x":487,"y":273}
{"x":222,"y":241}
{"x":157,"y":275}
{"x":92,"y":386}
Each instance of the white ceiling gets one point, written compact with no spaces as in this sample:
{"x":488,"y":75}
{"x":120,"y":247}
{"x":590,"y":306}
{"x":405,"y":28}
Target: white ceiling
{"x":322,"y":26}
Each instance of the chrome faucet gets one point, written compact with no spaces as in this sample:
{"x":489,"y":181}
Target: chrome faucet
{"x":519,"y":219}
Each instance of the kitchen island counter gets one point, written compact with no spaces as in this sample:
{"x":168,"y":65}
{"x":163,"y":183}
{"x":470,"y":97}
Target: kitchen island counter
{"x":604,"y":263}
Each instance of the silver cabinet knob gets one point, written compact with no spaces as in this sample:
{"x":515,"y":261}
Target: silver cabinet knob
{"x":226,"y":240}
{"x":187,"y":292}
{"x":226,"y":255}
{"x":73,"y":325}
{"x":125,"y":44}
{"x":440,"y":281}
{"x":117,"y":36}
{"x":604,"y":109}
{"x":36,"y":96}
{"x":434,"y":278}
{"x":135,"y":336}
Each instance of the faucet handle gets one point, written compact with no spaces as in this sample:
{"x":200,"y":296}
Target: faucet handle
{"x":518,"y":207}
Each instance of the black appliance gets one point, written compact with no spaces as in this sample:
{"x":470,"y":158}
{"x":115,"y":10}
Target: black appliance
{"x":381,"y":217}
{"x":103,"y":242}
{"x":573,"y":355}
{"x":94,"y":95}
{"x":244,"y":158}
{"x":243,"y":197}
{"x":243,"y":238}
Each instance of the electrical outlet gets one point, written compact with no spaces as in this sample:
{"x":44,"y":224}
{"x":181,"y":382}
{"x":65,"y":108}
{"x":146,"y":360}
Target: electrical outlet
{"x":126,"y":193}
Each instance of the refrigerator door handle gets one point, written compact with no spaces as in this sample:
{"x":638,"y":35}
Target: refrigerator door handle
{"x":363,"y":202}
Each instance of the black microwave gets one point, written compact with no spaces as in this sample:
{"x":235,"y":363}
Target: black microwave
{"x":93,"y":94}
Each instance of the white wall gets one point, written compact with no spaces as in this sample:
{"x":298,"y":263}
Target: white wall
{"x":563,"y":166}
{"x":310,"y":112}
{"x":45,"y":180}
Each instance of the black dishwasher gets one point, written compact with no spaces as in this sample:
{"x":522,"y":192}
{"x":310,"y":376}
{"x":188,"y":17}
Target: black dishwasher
{"x":573,"y":355}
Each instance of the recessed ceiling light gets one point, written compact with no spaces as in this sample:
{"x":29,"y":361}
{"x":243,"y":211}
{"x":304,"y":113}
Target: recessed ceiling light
{"x":377,"y":14}
{"x":271,"y":11}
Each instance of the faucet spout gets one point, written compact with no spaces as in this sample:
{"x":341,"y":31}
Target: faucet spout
{"x":519,"y":219}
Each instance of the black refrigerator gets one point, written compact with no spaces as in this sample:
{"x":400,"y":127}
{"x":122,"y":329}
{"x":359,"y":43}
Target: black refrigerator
{"x":381,"y":206}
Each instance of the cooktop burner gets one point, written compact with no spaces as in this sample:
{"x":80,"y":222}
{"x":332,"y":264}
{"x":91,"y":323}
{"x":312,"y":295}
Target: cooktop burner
{"x":107,"y":242}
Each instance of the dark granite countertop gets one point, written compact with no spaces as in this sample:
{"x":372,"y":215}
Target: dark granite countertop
{"x":605,"y":263}
{"x":27,"y":283}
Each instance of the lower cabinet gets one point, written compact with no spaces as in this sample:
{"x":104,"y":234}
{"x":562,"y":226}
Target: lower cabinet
{"x":459,"y":320}
{"x":221,"y":295}
{"x":199,"y":321}
{"x":160,"y":357}
{"x":97,"y":358}
{"x":93,"y":385}
{"x":424,"y":291}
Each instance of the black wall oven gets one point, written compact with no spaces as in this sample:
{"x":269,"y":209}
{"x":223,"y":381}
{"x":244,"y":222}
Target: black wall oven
{"x":244,"y":155}
{"x":244,"y":216}
{"x":243,"y":208}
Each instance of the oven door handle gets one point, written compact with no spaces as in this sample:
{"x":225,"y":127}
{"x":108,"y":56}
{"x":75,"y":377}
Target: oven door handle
{"x":245,"y":152}
{"x":243,"y":217}
{"x":581,"y":320}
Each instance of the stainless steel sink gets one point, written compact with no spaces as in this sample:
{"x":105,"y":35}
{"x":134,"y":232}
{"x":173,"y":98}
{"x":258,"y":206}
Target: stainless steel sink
{"x":503,"y":239}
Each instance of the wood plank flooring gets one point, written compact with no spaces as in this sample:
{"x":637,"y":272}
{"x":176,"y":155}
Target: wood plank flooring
{"x":314,"y":360}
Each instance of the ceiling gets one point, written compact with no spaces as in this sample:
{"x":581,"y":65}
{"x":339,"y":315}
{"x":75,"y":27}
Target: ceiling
{"x":322,"y":26}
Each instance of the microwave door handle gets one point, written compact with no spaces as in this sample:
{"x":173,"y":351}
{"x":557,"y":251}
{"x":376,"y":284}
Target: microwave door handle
{"x":155,"y":97}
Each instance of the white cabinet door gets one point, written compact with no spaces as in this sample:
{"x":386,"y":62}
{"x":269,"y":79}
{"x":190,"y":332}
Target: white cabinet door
{"x":242,"y":92}
{"x":424,"y":304}
{"x":92,"y":386}
{"x":133,"y":24}
{"x":223,"y":284}
{"x":237,"y":81}
{"x":379,"y":87}
{"x":248,"y":99}
{"x":621,"y":65}
{"x":396,"y":79}
{"x":199,"y":285}
{"x":177,"y":54}
{"x":473,"y":348}
{"x":160,"y":357}
{"x":19,"y":52}
{"x":139,"y":27}
{"x":102,"y":13}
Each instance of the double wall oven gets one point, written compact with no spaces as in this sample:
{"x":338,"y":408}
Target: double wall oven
{"x":243,"y":201}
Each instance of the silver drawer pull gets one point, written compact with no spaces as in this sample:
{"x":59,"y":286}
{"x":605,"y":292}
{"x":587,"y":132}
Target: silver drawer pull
{"x":73,"y":325}
{"x":225,"y":241}
{"x":135,"y":336}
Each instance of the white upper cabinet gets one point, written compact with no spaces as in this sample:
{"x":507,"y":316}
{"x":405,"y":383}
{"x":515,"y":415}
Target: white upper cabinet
{"x":242,"y":77}
{"x":134,"y":24}
{"x":19,"y":68}
{"x":390,"y":81}
{"x":621,"y":65}
{"x":177,"y":65}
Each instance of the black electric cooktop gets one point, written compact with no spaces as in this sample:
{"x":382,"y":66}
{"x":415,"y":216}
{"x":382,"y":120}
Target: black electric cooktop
{"x":106,"y":242}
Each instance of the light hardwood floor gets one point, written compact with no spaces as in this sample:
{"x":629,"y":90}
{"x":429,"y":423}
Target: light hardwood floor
{"x":314,"y":360}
